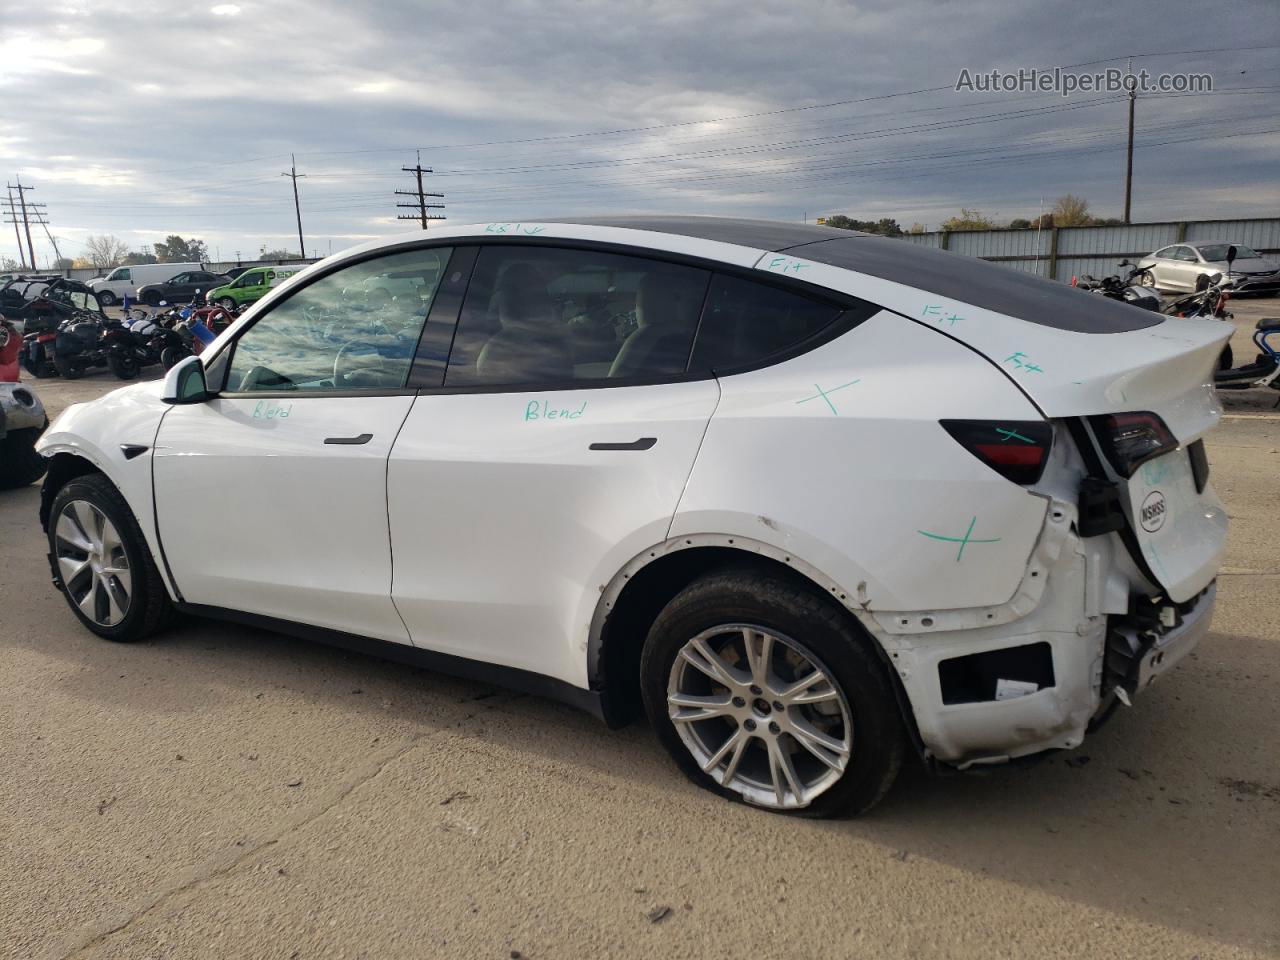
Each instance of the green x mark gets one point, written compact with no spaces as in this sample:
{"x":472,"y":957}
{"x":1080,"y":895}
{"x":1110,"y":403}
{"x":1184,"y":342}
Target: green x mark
{"x":963,"y":541}
{"x":824,"y":394}
{"x":1012,"y":434}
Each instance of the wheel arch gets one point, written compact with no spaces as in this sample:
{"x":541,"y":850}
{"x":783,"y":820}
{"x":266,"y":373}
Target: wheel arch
{"x":637,"y":593}
{"x":63,"y":468}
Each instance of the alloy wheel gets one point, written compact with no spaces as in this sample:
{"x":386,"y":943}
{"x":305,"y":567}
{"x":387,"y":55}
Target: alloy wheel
{"x":760,"y":715}
{"x":92,"y":563}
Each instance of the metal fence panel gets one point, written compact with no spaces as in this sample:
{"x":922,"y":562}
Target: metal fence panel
{"x":1259,"y":234}
{"x":924,"y":239}
{"x":1137,"y":238}
{"x":989,"y":244}
{"x":1096,"y":250}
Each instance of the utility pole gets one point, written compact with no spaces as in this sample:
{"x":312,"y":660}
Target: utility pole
{"x":26,"y":224}
{"x":17,"y":234}
{"x":418,"y":170}
{"x":1128,"y":170}
{"x":293,"y":174}
{"x":30,"y":213}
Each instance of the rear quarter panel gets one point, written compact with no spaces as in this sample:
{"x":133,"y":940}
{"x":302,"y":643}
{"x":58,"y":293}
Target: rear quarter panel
{"x":837,"y":458}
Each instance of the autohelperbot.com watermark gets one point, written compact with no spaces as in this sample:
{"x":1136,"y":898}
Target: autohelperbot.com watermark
{"x":1064,"y":82}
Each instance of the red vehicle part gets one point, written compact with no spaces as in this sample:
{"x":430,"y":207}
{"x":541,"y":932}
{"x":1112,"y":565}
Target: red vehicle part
{"x":10,"y":344}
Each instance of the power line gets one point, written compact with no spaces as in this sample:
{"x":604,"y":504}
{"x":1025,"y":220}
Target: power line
{"x":418,"y":170}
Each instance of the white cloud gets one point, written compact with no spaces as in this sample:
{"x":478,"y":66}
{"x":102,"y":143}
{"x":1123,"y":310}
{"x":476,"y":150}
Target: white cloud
{"x":225,"y":10}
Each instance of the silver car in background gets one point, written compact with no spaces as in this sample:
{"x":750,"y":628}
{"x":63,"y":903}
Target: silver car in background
{"x":1179,"y":266}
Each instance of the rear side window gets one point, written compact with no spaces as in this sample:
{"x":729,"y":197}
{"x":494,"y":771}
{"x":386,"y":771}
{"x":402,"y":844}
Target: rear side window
{"x":537,"y":316}
{"x":746,"y":322}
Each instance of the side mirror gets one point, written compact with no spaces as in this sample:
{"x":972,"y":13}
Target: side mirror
{"x":1125,"y":263}
{"x":1231,"y":256}
{"x":185,"y":383}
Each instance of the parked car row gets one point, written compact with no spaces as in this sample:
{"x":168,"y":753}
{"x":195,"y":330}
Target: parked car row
{"x":149,"y":283}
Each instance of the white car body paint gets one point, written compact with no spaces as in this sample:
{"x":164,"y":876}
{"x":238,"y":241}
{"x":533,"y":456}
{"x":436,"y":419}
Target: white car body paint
{"x":99,"y":431}
{"x":301,"y":533}
{"x":506,"y":527}
{"x":512,"y":539}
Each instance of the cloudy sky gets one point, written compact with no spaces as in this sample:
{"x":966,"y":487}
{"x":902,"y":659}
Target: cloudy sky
{"x":142,"y":118}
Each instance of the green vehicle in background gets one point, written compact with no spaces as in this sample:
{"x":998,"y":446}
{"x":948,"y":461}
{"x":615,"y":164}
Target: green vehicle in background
{"x":250,"y":286}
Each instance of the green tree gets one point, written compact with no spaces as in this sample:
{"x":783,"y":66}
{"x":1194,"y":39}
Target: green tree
{"x":63,"y":263}
{"x":135,"y":257}
{"x":1071,"y":211}
{"x":174,"y":249}
{"x":279,"y":253}
{"x":968,"y":220}
{"x":885,"y":227}
{"x":1019,"y":223}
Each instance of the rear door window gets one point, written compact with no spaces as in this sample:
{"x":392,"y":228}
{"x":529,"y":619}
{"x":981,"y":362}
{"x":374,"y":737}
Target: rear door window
{"x":746,"y":323}
{"x":544,"y":316}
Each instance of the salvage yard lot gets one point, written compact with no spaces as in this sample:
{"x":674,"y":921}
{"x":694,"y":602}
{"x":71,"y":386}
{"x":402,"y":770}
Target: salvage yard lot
{"x":226,"y":792}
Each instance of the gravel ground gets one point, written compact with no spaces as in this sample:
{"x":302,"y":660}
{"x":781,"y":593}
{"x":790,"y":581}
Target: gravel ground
{"x":227,"y":792}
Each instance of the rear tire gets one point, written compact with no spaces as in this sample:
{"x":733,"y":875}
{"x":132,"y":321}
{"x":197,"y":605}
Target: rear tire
{"x":69,"y":368}
{"x":107,"y":298}
{"x":858,"y":714}
{"x":20,"y":465}
{"x":126,"y":575}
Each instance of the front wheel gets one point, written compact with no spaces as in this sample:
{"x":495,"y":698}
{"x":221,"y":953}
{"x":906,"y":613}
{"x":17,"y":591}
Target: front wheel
{"x":107,"y":298}
{"x":227,"y":303}
{"x":123,"y":364}
{"x":105,"y":570}
{"x":765,"y":693}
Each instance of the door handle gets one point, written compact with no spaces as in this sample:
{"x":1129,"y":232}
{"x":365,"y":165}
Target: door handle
{"x":350,"y":441}
{"x":644,"y":443}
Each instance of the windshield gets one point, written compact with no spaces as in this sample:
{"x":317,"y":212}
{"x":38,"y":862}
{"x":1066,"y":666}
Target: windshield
{"x":1215,"y":252}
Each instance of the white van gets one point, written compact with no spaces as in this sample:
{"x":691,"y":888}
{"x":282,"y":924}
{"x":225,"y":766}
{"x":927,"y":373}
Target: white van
{"x":126,"y":280}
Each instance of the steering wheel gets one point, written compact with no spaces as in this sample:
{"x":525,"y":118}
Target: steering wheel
{"x":359,"y":357}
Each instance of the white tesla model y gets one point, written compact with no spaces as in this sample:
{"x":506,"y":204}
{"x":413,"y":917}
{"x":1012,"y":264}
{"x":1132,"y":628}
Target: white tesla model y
{"x":811,"y":499}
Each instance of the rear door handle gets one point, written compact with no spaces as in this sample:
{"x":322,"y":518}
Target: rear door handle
{"x":350,"y":441}
{"x":644,"y":443}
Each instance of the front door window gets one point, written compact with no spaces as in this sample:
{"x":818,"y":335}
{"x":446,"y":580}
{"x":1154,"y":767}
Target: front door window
{"x":321,"y":338}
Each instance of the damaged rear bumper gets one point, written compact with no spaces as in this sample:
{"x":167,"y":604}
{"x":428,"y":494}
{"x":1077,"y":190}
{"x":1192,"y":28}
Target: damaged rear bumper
{"x":991,"y":695}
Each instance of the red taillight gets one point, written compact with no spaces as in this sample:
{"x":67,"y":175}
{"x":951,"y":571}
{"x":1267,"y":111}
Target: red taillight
{"x":1131,"y":439}
{"x":1015,"y":449}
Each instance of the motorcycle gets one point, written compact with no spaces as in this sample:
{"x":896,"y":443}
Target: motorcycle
{"x":79,"y":344}
{"x":1264,"y":371}
{"x":1128,"y":290}
{"x":128,"y":345}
